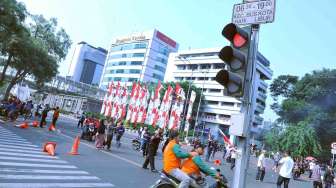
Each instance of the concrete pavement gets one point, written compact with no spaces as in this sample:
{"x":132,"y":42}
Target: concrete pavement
{"x":119,"y":168}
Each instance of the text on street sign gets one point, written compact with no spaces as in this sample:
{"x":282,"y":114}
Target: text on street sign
{"x":258,"y":12}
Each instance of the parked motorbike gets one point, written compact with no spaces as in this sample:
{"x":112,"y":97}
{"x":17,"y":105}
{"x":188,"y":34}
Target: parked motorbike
{"x":88,"y":132}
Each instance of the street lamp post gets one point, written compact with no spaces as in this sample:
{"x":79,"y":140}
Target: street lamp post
{"x":199,"y":104}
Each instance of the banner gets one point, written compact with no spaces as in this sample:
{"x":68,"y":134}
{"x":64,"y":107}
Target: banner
{"x":153,"y":108}
{"x":130,"y":104}
{"x":165,"y":107}
{"x":189,"y":112}
{"x":116,"y":102}
{"x":177,"y":108}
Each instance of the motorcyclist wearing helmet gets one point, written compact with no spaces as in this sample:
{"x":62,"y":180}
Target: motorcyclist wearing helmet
{"x":172,"y":156}
{"x":193,"y":166}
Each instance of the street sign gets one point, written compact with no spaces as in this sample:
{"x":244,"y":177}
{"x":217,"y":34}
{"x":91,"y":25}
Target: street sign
{"x":333,"y":145}
{"x":333,"y":151}
{"x":258,"y":12}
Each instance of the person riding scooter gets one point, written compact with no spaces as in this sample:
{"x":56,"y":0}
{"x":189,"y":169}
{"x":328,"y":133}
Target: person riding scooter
{"x":193,"y":166}
{"x":172,"y":156}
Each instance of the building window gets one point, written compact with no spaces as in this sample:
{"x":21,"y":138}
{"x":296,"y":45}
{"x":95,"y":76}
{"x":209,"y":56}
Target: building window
{"x":162,"y":60}
{"x":181,"y":67}
{"x":140,"y":46}
{"x":212,"y":102}
{"x":117,"y":79}
{"x":206,"y":66}
{"x":159,"y":68}
{"x":201,"y":78}
{"x":134,"y":71}
{"x":136,"y":62}
{"x":138,"y":55}
{"x":192,"y":67}
{"x":178,"y":78}
{"x":227,"y":104}
{"x":219,"y":66}
{"x":159,"y":77}
{"x":123,"y":55}
{"x":224,"y":117}
{"x":214,"y":90}
{"x":132,"y":79}
{"x":122,"y":63}
{"x":120,"y":71}
{"x":111,"y":71}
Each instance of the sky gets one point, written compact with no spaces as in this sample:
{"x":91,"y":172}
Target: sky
{"x":301,"y":39}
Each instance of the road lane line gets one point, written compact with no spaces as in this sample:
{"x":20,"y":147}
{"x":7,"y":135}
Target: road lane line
{"x":6,"y":137}
{"x":27,"y":155}
{"x":47,"y":177}
{"x":15,"y":170}
{"x":32,"y":159}
{"x":18,"y":147}
{"x":54,"y":185}
{"x":18,"y":144}
{"x":36,"y":165}
{"x":111,"y":154}
{"x":13,"y":141}
{"x":22,"y":151}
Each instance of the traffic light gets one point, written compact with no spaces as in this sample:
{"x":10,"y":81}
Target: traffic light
{"x":235,"y":56}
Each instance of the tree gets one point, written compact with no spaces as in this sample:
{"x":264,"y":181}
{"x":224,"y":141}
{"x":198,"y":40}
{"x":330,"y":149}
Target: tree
{"x":12,"y":29}
{"x":311,"y":100}
{"x":39,"y":51}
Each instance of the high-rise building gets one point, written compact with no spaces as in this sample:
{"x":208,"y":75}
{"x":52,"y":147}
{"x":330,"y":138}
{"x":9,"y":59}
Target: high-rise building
{"x":87,"y":64}
{"x":200,"y":67}
{"x":138,"y":57}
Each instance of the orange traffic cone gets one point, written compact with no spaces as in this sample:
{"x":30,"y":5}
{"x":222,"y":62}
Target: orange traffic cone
{"x":52,"y":127}
{"x":35,"y":124}
{"x":74,"y":149}
{"x":49,"y":147}
{"x":217,"y":162}
{"x":23,"y":125}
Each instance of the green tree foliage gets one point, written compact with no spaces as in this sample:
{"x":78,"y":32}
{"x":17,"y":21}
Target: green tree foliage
{"x":32,"y":48}
{"x":311,"y":100}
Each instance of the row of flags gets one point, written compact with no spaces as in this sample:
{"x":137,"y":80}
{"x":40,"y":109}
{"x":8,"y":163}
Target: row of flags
{"x":141,"y":106}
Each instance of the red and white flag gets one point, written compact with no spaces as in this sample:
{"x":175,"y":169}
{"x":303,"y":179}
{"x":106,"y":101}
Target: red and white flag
{"x":130,"y":104}
{"x":123,"y":103}
{"x":104,"y":106}
{"x":136,"y":103}
{"x":165,"y":107}
{"x":225,"y":138}
{"x":153,"y":109}
{"x":116,"y":101}
{"x":189,"y":112}
{"x":177,"y":108}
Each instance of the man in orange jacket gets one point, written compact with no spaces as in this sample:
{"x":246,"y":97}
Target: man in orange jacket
{"x":193,"y":166}
{"x":172,"y":156}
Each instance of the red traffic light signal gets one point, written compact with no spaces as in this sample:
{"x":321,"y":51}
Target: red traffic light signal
{"x":237,"y":36}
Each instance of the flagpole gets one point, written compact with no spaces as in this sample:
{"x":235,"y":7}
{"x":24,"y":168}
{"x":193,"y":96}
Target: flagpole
{"x":199,"y":104}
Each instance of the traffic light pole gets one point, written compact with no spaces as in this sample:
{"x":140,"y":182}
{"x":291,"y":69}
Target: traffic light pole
{"x":248,"y":106}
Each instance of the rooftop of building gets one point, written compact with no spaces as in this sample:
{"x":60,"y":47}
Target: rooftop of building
{"x":97,"y":48}
{"x":210,"y":51}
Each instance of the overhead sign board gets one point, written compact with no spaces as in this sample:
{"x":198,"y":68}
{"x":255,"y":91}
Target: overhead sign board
{"x":258,"y":12}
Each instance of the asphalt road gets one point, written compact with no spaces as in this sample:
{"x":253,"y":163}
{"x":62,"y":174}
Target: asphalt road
{"x":23,"y":165}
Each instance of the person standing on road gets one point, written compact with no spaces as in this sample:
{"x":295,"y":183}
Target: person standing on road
{"x":100,"y":136}
{"x":285,"y":173}
{"x":120,"y":130}
{"x":81,"y":120}
{"x":311,"y":166}
{"x":209,"y":148}
{"x":316,"y":176}
{"x":276,"y":158}
{"x":261,"y":167}
{"x":215,"y":147}
{"x":329,"y":177}
{"x":55,"y":116}
{"x":152,"y":150}
{"x":109,"y":134}
{"x":145,"y":138}
{"x":233,"y":154}
{"x":44,"y":116}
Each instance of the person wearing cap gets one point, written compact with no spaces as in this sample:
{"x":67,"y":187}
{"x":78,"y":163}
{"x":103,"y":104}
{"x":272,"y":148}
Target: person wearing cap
{"x":193,"y":166}
{"x":172,"y":156}
{"x":261,"y":166}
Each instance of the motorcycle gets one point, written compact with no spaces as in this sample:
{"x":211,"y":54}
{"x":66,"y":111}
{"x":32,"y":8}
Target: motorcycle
{"x":88,"y":132}
{"x":167,"y":181}
{"x":136,"y":144}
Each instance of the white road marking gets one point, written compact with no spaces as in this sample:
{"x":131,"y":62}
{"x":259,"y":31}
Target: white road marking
{"x":36,"y":165}
{"x":32,"y":159}
{"x":111,"y":154}
{"x":28,"y":155}
{"x":5,"y":140}
{"x":47,"y":177}
{"x":30,"y":171}
{"x":54,"y":185}
{"x":22,"y":151}
{"x":19,"y":147}
{"x":17,"y":144}
{"x":6,"y":137}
